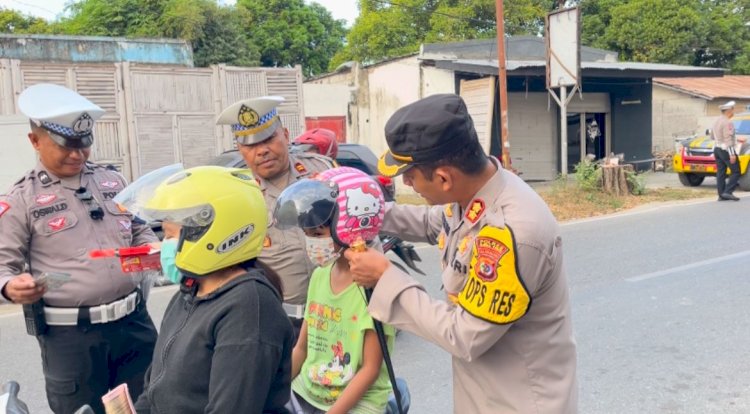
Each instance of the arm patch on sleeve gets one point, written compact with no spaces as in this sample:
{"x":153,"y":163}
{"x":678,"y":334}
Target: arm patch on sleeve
{"x":494,"y":290}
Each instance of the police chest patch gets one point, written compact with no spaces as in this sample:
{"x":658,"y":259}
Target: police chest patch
{"x":44,"y":199}
{"x":494,"y":290}
{"x":57,"y":223}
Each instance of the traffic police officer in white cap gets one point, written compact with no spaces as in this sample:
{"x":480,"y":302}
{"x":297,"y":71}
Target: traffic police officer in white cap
{"x":94,"y":331}
{"x":725,"y":152}
{"x":264,"y":144}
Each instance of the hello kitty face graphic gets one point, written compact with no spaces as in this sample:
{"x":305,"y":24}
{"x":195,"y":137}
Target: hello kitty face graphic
{"x":362,"y":202}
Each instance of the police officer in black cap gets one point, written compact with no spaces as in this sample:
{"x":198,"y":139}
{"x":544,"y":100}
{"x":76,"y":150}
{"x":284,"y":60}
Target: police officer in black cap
{"x":92,"y":324}
{"x":506,"y":319}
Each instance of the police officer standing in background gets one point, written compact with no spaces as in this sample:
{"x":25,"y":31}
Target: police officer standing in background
{"x":94,"y":330}
{"x":725,"y":152}
{"x":264,"y":144}
{"x":507,"y":318}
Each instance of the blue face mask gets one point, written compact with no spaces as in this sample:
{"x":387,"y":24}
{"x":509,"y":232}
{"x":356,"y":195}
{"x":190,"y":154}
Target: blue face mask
{"x":168,"y":255}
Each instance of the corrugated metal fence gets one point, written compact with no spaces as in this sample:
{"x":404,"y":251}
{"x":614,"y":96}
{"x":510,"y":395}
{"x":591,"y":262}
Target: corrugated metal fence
{"x":158,"y":115}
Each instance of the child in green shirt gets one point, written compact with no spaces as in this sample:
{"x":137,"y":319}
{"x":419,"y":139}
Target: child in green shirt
{"x":337,"y":363}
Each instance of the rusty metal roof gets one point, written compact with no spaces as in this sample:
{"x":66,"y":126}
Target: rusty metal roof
{"x":730,"y":86}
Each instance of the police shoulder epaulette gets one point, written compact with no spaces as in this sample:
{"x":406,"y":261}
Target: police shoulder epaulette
{"x":29,"y":175}
{"x":95,"y":166}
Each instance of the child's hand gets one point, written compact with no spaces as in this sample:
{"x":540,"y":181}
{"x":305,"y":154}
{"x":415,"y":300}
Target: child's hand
{"x":367,"y":267}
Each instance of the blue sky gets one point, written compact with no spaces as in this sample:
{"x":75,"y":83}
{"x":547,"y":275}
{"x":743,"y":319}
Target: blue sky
{"x":49,"y":9}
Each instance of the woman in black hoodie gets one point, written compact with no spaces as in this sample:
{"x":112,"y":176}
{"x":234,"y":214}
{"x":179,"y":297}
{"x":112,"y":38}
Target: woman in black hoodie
{"x":225,"y":342}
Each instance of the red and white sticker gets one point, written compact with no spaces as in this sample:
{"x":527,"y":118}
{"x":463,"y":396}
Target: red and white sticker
{"x":44,"y":199}
{"x":3,"y":208}
{"x":125,"y":224}
{"x":110,"y":184}
{"x":56,"y":223}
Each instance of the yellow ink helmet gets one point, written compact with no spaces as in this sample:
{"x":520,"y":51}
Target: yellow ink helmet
{"x":222,"y":213}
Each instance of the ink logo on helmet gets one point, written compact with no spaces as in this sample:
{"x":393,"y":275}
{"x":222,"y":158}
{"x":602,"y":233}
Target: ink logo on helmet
{"x":235,"y":239}
{"x":489,"y":253}
{"x":247,"y":117}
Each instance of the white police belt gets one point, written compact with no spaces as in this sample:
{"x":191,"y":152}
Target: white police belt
{"x":294,"y":311}
{"x":108,"y":312}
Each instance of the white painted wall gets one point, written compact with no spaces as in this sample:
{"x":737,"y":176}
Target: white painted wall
{"x":436,"y":80}
{"x":326,"y":100}
{"x":17,"y":156}
{"x":533,"y":135}
{"x":378,"y":91}
{"x":389,"y":86}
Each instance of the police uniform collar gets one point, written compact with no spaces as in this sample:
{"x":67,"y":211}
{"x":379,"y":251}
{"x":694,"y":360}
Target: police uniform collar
{"x":292,"y":174}
{"x":483,"y":201}
{"x":46,"y":178}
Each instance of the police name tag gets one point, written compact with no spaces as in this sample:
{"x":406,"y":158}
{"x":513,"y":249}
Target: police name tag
{"x":494,"y":290}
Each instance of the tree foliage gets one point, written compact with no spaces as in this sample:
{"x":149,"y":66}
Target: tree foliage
{"x":215,"y":32}
{"x":253,"y":32}
{"x":387,"y":28}
{"x":689,"y":32}
{"x":12,"y":21}
{"x":289,"y":32}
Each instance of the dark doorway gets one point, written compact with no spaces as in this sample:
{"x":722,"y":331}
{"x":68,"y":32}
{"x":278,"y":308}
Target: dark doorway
{"x":593,"y":136}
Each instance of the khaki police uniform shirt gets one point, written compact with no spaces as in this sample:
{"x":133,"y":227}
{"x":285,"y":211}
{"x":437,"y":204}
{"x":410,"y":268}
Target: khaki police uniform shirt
{"x":723,"y":132}
{"x":42,"y":223}
{"x":284,"y":250}
{"x":510,"y":333}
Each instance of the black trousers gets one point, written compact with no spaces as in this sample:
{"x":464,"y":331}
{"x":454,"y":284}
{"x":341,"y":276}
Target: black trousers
{"x":722,"y":163}
{"x":82,"y":363}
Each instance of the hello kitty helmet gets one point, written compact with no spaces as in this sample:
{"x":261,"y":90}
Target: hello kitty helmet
{"x":345,"y":197}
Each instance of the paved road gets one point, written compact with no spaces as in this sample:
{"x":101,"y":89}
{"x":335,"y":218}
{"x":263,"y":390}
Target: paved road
{"x":659,"y":312}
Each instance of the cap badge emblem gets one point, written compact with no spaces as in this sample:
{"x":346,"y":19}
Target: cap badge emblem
{"x":84,"y":123}
{"x":247,"y":117}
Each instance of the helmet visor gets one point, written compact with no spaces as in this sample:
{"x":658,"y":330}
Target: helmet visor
{"x":135,"y":196}
{"x":305,"y":204}
{"x":197,"y":216}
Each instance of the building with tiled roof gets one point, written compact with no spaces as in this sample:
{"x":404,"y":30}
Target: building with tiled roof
{"x":689,"y":105}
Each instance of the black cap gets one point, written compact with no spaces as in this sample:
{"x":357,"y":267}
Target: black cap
{"x":425,"y":131}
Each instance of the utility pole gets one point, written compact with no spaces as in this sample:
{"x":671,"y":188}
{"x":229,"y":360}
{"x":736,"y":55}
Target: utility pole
{"x":503,"y":84}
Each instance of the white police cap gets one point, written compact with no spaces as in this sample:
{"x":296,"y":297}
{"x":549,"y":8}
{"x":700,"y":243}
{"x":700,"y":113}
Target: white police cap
{"x":252,"y":120}
{"x":66,"y":115}
{"x":728,"y":105}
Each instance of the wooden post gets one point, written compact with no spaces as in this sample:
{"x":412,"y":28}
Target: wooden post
{"x":503,"y":83}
